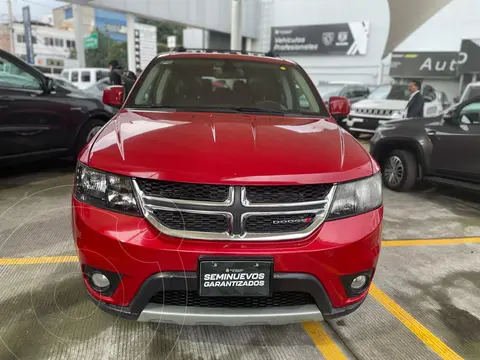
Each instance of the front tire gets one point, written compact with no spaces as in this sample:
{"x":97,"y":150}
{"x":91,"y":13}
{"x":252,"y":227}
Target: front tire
{"x":89,"y":130}
{"x":399,"y":170}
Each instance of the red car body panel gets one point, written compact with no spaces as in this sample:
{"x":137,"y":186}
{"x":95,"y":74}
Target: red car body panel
{"x":225,"y":148}
{"x":134,"y":248}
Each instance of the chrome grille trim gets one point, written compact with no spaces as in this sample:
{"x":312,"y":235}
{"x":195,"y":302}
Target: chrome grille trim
{"x":247,"y":203}
{"x":242,"y":211}
{"x":227,"y":202}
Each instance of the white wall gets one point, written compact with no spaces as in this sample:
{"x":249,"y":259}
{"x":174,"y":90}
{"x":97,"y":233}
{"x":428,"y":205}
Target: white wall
{"x":315,"y":12}
{"x":446,"y":29}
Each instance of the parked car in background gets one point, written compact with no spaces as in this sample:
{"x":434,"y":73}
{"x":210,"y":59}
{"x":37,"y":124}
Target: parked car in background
{"x":60,"y":80}
{"x":385,"y":103}
{"x":40,"y":118}
{"x":444,"y":100}
{"x":471,"y":90}
{"x":83,"y":78}
{"x":352,"y":91}
{"x":443,"y":149}
{"x":96,"y":90}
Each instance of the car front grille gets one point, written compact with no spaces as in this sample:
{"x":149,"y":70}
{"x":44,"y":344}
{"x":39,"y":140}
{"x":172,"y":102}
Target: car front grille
{"x":238,"y":213}
{"x":184,"y":191}
{"x":286,"y":194}
{"x":191,"y":298}
{"x":188,"y":221}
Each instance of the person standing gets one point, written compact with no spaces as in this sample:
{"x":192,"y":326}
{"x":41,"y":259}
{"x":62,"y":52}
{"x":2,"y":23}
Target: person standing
{"x":115,"y":73}
{"x":416,"y":102}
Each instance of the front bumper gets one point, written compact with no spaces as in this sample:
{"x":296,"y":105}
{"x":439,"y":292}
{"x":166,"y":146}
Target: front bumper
{"x":365,"y":124}
{"x":150,"y":262}
{"x":142,"y":310}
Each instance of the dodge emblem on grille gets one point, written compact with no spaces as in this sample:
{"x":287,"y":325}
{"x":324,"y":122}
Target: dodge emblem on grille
{"x":292,"y":221}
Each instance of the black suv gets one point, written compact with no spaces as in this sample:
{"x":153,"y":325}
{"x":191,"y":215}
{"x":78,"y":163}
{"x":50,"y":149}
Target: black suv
{"x":443,"y":149}
{"x":39,"y":117}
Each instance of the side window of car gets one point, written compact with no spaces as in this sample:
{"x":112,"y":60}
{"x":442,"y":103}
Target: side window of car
{"x":359,"y":91}
{"x":348,"y":92}
{"x":74,"y":76}
{"x":86,"y":76}
{"x":470,"y":114}
{"x":11,"y":76}
{"x":101,"y":74}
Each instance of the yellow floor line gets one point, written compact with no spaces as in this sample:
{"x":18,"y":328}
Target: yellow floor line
{"x":434,"y":343}
{"x":38,"y":260}
{"x":423,"y":242}
{"x":323,"y":341}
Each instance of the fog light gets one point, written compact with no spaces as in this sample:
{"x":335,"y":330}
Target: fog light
{"x":359,"y":282}
{"x":100,"y":280}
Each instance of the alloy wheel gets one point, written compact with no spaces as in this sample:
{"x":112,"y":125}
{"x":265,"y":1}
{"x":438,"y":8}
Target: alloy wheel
{"x":93,"y":131}
{"x":394,"y":171}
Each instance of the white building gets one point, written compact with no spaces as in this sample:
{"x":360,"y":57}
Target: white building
{"x":52,"y":48}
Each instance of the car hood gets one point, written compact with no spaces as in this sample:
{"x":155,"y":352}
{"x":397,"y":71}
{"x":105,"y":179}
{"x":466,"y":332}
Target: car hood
{"x":221,"y":148}
{"x":381,"y":104}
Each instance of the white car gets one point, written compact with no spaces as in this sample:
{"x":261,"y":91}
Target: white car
{"x":472,"y":90}
{"x":60,"y":80}
{"x":385,"y":103}
{"x":85,"y":77}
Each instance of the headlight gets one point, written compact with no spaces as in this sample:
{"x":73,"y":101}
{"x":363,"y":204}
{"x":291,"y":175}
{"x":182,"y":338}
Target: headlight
{"x":104,"y":190}
{"x":357,"y":197}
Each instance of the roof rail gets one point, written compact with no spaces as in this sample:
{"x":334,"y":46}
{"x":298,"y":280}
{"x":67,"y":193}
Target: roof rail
{"x":223,"y":51}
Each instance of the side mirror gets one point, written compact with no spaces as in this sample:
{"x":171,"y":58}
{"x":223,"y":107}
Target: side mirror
{"x":113,"y":95}
{"x":49,"y":85}
{"x":456,"y":99}
{"x":339,"y":107}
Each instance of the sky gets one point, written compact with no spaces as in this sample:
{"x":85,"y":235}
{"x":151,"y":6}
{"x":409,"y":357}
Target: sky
{"x":38,"y":8}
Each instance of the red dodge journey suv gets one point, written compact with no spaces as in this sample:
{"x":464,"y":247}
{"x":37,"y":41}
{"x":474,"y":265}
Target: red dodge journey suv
{"x":234,"y":205}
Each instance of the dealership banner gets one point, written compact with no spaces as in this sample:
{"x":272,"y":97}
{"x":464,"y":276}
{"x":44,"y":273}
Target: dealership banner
{"x":328,"y":39}
{"x":426,"y":64}
{"x":470,"y":51}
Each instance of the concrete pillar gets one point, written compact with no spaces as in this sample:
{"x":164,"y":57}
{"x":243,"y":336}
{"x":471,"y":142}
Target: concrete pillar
{"x":78,"y":28}
{"x":249,"y":44}
{"x":131,"y":42}
{"x":236,"y":23}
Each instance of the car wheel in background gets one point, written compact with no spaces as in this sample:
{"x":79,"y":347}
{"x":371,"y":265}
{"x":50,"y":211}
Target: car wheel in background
{"x":399,"y":170}
{"x":89,"y":130}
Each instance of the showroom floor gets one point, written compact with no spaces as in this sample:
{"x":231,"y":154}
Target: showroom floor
{"x":425,"y":303}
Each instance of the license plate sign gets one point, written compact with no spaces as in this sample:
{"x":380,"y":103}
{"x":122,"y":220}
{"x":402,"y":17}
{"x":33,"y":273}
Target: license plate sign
{"x":235,"y":278}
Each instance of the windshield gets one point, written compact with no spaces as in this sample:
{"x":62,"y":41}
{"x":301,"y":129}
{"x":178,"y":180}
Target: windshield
{"x":390,"y":92}
{"x":226,"y":85}
{"x":64,"y":84}
{"x":471,"y":92}
{"x":327,"y":90}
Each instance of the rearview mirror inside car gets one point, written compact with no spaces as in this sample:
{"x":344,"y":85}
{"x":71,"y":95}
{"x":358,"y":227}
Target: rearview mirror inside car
{"x":339,"y":107}
{"x":113,"y":95}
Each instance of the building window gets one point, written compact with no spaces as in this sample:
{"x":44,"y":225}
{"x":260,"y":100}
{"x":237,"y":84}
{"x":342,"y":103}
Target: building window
{"x":59,"y":42}
{"x":74,"y":76}
{"x":85,"y":76}
{"x":71,"y":44}
{"x":68,"y":13}
{"x":20,"y":38}
{"x":34,"y":40}
{"x":48,"y":41}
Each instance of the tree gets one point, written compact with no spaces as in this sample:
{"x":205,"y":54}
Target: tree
{"x":108,"y":50}
{"x":165,"y":29}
